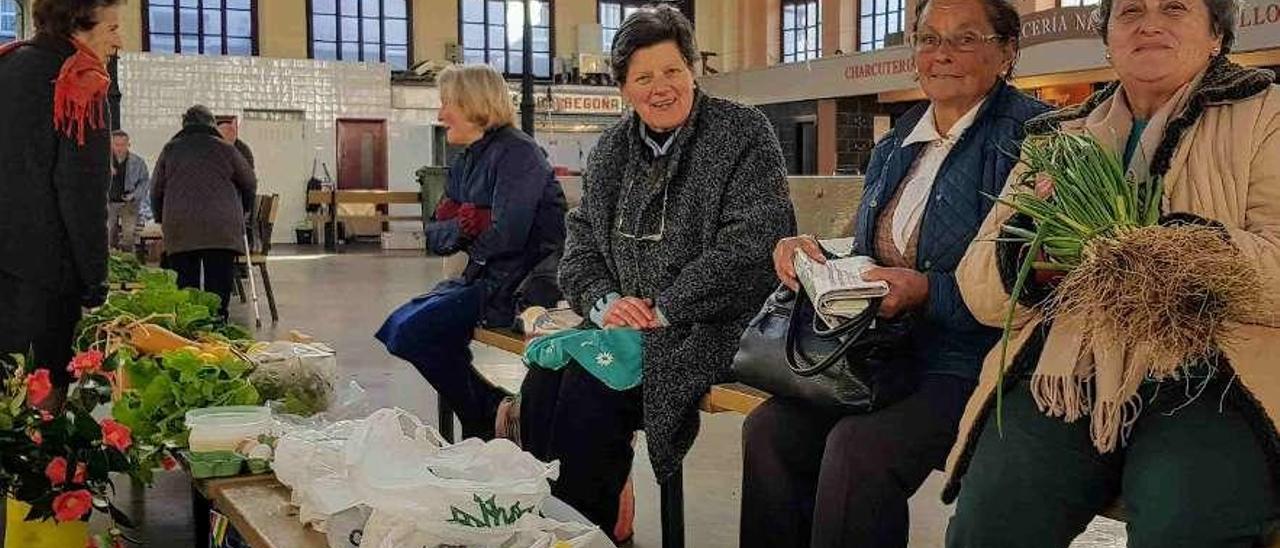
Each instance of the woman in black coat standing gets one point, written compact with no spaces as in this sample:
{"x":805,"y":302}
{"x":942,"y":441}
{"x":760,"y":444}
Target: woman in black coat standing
{"x":54,"y":172}
{"x":200,"y":193}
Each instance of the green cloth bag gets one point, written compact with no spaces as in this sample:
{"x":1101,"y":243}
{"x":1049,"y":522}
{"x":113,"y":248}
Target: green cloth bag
{"x":612,"y":355}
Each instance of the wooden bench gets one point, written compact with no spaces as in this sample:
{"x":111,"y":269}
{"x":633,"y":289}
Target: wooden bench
{"x":329,"y":200}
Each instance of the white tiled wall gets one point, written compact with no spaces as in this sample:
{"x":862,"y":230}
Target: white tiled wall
{"x":159,"y":88}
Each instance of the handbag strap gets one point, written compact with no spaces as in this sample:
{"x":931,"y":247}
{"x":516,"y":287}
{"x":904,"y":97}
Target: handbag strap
{"x":850,"y":331}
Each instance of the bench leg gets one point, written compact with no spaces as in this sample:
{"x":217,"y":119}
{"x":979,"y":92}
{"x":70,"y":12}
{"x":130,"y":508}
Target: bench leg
{"x":672,"y":509}
{"x":446,"y":419}
{"x":240,"y":287}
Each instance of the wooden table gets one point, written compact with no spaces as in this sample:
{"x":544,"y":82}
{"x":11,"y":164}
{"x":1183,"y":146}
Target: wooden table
{"x":329,"y":200}
{"x":258,"y":508}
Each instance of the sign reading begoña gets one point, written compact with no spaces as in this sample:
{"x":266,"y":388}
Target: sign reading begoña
{"x":573,"y":103}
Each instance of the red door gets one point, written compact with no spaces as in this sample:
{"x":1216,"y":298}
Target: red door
{"x":362,"y":154}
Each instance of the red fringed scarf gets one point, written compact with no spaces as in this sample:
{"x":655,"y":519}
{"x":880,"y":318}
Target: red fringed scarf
{"x":79,"y":93}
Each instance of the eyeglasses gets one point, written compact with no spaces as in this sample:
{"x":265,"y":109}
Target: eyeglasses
{"x":967,"y":42}
{"x":659,"y":167}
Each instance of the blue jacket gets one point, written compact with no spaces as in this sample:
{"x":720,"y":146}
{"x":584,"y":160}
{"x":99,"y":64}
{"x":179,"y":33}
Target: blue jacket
{"x":946,"y":337}
{"x":508,"y":173}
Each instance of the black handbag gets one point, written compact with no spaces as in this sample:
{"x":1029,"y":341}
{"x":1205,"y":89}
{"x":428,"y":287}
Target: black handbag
{"x":859,"y":366}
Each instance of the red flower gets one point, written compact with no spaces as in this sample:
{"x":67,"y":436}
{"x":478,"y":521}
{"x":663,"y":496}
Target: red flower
{"x":86,"y":362}
{"x":81,"y":473}
{"x":36,"y":437}
{"x":169,"y":463}
{"x":116,"y":435}
{"x":39,"y":386}
{"x":46,"y":416}
{"x":56,"y":471}
{"x":72,"y":506}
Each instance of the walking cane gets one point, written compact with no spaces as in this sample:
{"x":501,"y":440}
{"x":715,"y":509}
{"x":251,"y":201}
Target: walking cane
{"x":253,"y":286}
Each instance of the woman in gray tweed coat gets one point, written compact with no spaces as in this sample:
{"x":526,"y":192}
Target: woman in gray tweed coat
{"x":683,"y":202}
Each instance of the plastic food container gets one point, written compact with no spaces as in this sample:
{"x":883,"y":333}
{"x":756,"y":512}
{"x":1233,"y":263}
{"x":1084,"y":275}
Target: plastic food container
{"x":222,"y":428}
{"x":214,"y":464}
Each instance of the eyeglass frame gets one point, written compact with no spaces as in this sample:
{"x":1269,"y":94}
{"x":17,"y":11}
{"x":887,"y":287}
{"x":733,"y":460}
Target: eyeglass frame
{"x":662,"y":221}
{"x":912,"y":40}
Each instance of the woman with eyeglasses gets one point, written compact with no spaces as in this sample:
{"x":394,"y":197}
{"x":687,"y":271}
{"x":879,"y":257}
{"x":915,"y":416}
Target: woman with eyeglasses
{"x":683,"y":200}
{"x":814,"y":477}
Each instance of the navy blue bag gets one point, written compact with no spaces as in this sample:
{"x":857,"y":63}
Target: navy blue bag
{"x":444,"y":315}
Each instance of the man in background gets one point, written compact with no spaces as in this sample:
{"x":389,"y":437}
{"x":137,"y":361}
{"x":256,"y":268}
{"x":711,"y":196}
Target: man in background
{"x":127,"y":208}
{"x":230,"y":130}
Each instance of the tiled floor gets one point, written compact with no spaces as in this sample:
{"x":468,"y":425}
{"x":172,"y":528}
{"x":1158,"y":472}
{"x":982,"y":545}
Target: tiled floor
{"x":342,"y":299}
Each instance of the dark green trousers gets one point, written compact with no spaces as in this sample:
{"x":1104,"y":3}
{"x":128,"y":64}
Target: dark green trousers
{"x":1192,"y":475}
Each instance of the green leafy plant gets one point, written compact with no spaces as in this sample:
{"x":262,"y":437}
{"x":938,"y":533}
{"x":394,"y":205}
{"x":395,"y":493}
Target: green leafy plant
{"x":165,"y":388}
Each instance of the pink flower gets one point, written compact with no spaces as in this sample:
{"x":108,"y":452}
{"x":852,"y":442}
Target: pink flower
{"x":56,"y":471}
{"x":86,"y":362}
{"x":46,"y":416}
{"x":39,"y":386}
{"x":72,"y":505}
{"x":36,"y":437}
{"x":81,"y":473}
{"x":116,"y":435}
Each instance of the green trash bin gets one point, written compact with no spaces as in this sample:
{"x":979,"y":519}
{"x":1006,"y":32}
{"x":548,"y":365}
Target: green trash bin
{"x":432,"y":180}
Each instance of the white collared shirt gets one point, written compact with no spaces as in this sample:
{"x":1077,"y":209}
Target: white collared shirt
{"x":918,"y":183}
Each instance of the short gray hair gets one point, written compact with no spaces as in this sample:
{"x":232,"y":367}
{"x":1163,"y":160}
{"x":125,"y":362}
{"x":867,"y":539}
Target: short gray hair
{"x":651,"y":25}
{"x":1222,"y":20}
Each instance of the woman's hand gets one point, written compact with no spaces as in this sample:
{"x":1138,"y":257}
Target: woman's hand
{"x":908,"y":289}
{"x":631,"y":312}
{"x":784,"y":253}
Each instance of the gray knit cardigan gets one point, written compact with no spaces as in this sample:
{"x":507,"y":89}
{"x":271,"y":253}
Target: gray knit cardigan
{"x":722,"y":191}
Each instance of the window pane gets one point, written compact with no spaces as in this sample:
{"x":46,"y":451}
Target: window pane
{"x":543,"y":14}
{"x":163,"y":43}
{"x":350,"y":29}
{"x":212,"y":22}
{"x":324,"y":27}
{"x":542,"y":65}
{"x":372,"y":31}
{"x":350,"y":7}
{"x":472,"y":56}
{"x":473,"y":35}
{"x":499,"y":62}
{"x":189,"y":3}
{"x":324,"y":6}
{"x":189,"y":21}
{"x":398,"y":57}
{"x":189,"y":43}
{"x":811,"y":39}
{"x":473,"y":11}
{"x":397,"y":31}
{"x":213,"y":44}
{"x":788,"y":16}
{"x":236,"y":4}
{"x":239,"y":24}
{"x":497,"y":37}
{"x":788,"y":41}
{"x":866,"y":6}
{"x":542,"y":39}
{"x":608,"y":39}
{"x":515,"y":64}
{"x":325,"y":50}
{"x":161,"y":19}
{"x":350,"y":51}
{"x":370,"y":8}
{"x":239,"y":46}
{"x":497,"y":12}
{"x":395,"y":8}
{"x":895,"y":22}
{"x":372,"y":52}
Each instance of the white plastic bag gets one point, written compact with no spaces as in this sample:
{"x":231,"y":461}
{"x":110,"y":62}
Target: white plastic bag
{"x":311,"y":463}
{"x":472,"y":493}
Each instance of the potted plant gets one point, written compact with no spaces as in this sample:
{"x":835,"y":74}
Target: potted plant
{"x":56,"y":458}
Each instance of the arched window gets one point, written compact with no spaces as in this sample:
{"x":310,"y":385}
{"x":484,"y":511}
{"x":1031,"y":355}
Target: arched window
{"x":362,"y":30}
{"x":206,"y":27}
{"x":493,"y":32}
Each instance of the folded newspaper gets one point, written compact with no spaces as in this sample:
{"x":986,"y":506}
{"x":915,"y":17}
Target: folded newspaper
{"x":836,"y":287}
